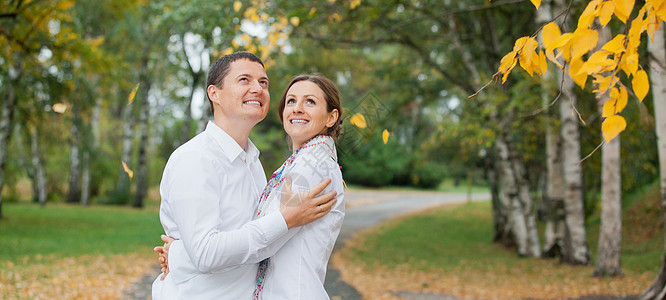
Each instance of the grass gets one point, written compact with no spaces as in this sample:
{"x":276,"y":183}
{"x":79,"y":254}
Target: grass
{"x":449,"y":250}
{"x":61,"y":230}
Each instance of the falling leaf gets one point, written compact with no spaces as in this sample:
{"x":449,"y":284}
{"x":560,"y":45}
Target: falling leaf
{"x":612,"y":126}
{"x":385,"y":136}
{"x":294,"y":21}
{"x":133,"y":93}
{"x":59,"y":107}
{"x":129,"y":172}
{"x":358,"y":120}
{"x":640,"y":84}
{"x":237,"y":6}
{"x":536,"y":3}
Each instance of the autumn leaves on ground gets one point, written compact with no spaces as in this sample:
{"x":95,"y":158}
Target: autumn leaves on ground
{"x":74,"y":252}
{"x":448,"y":251}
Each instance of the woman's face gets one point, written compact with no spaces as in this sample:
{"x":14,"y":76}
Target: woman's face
{"x":305,"y":114}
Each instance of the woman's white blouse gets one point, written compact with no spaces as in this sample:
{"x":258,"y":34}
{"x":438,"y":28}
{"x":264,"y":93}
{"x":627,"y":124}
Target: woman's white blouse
{"x":298,"y":269}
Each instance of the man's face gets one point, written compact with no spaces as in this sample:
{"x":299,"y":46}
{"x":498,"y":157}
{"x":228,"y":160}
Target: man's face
{"x":244,"y":94}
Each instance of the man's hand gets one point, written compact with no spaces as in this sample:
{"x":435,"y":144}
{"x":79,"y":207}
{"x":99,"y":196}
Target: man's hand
{"x":163,"y":252}
{"x":303,"y":208}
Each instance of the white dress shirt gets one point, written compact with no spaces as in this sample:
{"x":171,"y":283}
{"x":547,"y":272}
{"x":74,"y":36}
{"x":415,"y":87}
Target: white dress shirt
{"x":298,"y":269}
{"x":209,"y":191}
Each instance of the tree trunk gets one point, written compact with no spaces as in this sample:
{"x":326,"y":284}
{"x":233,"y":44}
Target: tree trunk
{"x":510,"y":190}
{"x":534,"y":246}
{"x":142,"y":167}
{"x":657,"y":65}
{"x":8,"y":107}
{"x":126,"y":151}
{"x":85,"y":176}
{"x":576,"y":251}
{"x":499,"y":217}
{"x":610,"y":233}
{"x":74,"y":191}
{"x":552,"y":198}
{"x":38,"y":164}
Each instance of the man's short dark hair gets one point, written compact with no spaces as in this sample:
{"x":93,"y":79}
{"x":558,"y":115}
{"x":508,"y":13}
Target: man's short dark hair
{"x":220,"y":68}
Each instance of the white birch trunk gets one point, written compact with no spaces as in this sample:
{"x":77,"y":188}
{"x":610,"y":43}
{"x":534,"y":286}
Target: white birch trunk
{"x":8,"y":107}
{"x":510,"y":191}
{"x":74,"y":191}
{"x":39,"y":180}
{"x":577,"y":251}
{"x":657,"y":65}
{"x":610,"y":233}
{"x":85,"y":176}
{"x":534,"y":246}
{"x":142,"y":166}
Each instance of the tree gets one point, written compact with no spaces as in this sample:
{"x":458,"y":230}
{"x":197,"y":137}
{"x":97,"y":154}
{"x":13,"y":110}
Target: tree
{"x":657,"y":64}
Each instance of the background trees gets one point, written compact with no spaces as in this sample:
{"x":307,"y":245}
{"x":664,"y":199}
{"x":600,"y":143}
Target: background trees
{"x":408,"y":67}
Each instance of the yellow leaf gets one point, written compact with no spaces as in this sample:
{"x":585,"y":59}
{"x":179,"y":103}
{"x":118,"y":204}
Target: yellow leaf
{"x":312,"y":11}
{"x":59,"y":107}
{"x":574,"y":66}
{"x":612,"y":126}
{"x":640,"y":84}
{"x":623,"y":9}
{"x":584,"y":41}
{"x":358,"y":120}
{"x":129,"y":172}
{"x":653,"y":24}
{"x":354,"y":3}
{"x":133,"y":93}
{"x":536,"y":3}
{"x":385,"y":136}
{"x":609,"y":108}
{"x":237,"y":6}
{"x":550,"y":33}
{"x":629,"y":63}
{"x":551,"y":56}
{"x":622,"y":99}
{"x":64,"y":5}
{"x":588,"y":15}
{"x":606,"y":12}
{"x":294,"y":21}
{"x":543,"y":63}
{"x":616,"y":45}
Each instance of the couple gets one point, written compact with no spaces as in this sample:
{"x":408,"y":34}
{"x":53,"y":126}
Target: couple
{"x":233,"y":235}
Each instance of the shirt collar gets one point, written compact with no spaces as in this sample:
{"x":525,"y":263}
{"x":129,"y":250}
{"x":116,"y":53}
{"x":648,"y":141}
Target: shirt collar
{"x":229,"y":146}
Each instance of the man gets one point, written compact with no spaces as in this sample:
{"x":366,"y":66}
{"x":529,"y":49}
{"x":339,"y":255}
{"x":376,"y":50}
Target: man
{"x":210,"y":188}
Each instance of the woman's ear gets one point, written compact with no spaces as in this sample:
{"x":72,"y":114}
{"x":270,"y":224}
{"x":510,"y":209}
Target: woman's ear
{"x":332,"y":118}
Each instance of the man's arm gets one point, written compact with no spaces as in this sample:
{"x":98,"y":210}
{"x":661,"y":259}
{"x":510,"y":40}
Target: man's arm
{"x":196,"y":210}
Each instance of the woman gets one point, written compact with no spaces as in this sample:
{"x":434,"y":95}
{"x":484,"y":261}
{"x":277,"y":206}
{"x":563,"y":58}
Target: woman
{"x":310,"y":112}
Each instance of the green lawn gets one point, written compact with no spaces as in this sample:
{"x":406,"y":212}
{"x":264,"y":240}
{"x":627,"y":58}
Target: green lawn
{"x":456,"y":237}
{"x":60,"y":230}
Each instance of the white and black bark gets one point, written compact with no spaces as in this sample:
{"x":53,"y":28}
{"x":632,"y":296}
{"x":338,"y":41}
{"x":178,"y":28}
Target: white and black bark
{"x":511,"y":194}
{"x":142,"y":166}
{"x":74,"y":190}
{"x":6,"y":122}
{"x":39,"y":180}
{"x":86,"y":180}
{"x":657,"y":66}
{"x":575,"y":250}
{"x":610,"y":233}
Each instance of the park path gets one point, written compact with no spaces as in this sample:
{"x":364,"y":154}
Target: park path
{"x":364,"y":209}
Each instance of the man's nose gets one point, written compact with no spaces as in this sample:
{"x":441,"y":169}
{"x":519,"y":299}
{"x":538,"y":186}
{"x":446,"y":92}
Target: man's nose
{"x":255,"y":87}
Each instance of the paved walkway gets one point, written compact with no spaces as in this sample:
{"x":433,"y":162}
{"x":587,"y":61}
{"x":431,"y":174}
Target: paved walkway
{"x":365,"y":208}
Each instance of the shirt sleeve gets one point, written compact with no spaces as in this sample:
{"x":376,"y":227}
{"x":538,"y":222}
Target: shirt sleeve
{"x":194,"y":195}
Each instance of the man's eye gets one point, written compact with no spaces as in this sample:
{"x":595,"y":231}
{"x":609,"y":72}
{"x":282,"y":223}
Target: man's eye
{"x":243,"y":79}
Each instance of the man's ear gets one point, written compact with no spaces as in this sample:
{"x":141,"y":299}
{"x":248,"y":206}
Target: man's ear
{"x":332,"y":118}
{"x":212,"y":93}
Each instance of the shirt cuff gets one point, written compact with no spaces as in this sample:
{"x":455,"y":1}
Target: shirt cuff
{"x":273,"y":226}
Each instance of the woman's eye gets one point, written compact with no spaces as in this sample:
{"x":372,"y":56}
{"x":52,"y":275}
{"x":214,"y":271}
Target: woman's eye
{"x":290,"y":101}
{"x":310,"y":101}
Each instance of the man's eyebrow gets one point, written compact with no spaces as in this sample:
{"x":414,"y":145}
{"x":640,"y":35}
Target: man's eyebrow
{"x":248,"y":75}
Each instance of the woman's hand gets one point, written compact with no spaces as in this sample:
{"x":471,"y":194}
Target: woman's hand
{"x":303,"y":208}
{"x":163,"y":252}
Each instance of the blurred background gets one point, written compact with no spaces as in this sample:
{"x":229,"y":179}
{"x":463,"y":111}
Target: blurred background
{"x":97,"y":94}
